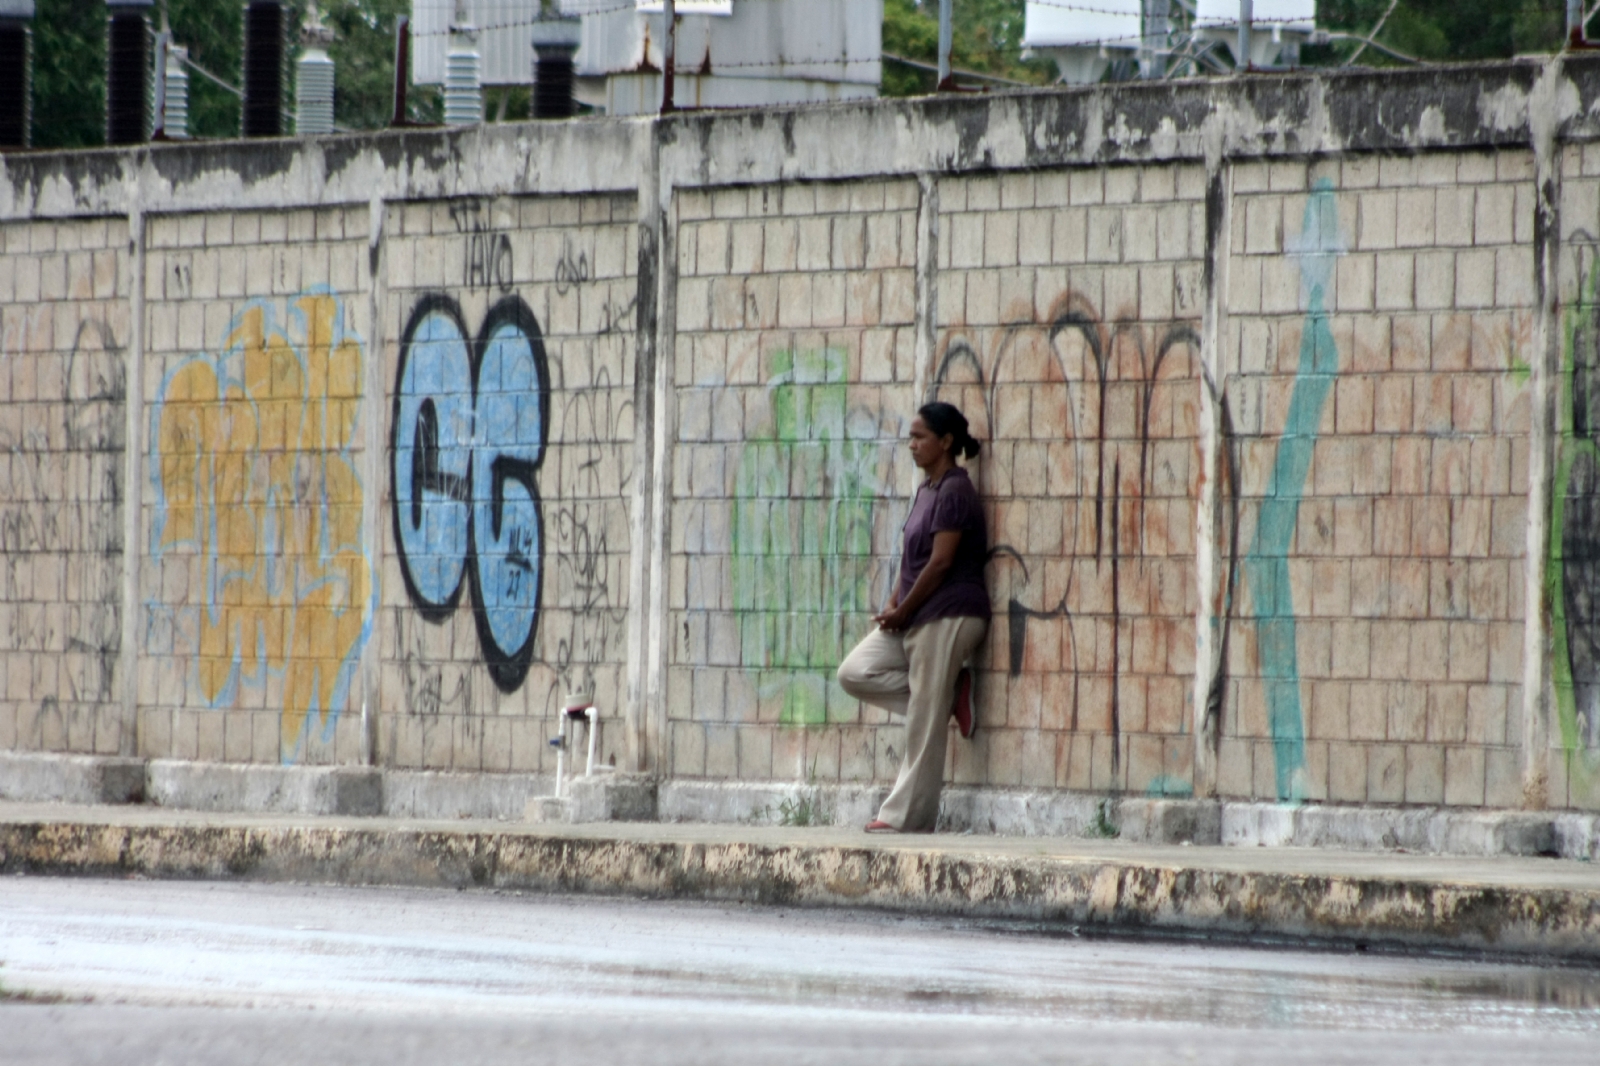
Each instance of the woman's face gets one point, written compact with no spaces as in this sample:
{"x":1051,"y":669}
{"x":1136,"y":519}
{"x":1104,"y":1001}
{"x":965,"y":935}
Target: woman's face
{"x":926,"y":449}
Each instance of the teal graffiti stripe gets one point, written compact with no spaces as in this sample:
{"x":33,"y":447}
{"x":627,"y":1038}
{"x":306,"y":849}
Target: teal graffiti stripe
{"x":1267,"y":562}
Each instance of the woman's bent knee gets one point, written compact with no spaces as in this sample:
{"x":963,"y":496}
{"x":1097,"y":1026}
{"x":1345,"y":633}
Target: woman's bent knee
{"x":850,"y":679}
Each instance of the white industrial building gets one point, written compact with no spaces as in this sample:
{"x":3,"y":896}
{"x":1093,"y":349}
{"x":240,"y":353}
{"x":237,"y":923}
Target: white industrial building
{"x":730,"y":53}
{"x":1084,"y":38}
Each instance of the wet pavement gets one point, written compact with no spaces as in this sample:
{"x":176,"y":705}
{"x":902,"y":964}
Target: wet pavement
{"x":131,"y":971}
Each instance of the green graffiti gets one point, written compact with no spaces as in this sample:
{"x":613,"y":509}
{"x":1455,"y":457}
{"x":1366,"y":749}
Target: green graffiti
{"x":801,"y":531}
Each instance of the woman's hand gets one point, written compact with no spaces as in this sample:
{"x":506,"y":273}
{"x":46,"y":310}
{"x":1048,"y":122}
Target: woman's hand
{"x":899,"y":615}
{"x":894,"y":619}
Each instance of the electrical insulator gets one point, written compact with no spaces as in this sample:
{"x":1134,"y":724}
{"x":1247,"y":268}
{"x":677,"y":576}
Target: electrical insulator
{"x":463,"y":78}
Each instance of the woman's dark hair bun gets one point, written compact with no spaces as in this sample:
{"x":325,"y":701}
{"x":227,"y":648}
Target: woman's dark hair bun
{"x":946,"y":420}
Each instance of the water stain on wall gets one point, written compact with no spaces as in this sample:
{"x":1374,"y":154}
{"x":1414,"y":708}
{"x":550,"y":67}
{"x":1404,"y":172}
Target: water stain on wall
{"x":257,"y":492}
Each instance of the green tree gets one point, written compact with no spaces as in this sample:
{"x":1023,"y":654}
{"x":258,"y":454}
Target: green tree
{"x":1441,"y":30}
{"x":986,"y":36}
{"x":363,"y":61}
{"x":69,"y":73}
{"x":213,"y":33}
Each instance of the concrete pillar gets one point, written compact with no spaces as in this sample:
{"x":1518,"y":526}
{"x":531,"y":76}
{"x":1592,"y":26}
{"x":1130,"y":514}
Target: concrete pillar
{"x":1216,"y":514}
{"x":375,"y":463}
{"x":648,"y":565}
{"x":134,"y":470}
{"x":1538,"y":696}
{"x":927,"y":285}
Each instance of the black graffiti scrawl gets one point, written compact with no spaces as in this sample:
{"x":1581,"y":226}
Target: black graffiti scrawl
{"x":1574,"y":565}
{"x":470,"y":421}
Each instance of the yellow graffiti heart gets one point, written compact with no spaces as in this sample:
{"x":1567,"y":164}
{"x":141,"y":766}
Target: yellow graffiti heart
{"x":256,"y":476}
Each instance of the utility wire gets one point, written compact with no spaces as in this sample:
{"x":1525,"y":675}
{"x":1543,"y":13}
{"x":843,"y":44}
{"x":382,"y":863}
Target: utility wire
{"x":920,"y":65}
{"x":206,"y":74}
{"x":1371,"y":34}
{"x":1379,"y":46}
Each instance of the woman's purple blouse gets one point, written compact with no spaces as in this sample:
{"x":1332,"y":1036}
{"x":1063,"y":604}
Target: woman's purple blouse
{"x":950,"y":505}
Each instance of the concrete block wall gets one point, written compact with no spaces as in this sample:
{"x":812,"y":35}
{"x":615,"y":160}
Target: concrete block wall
{"x":794,"y":371}
{"x":1568,"y":567}
{"x":1286,"y":399}
{"x":1377,"y":310}
{"x":256,"y":584}
{"x":65,"y":327}
{"x":481,"y":637}
{"x":1068,"y":307}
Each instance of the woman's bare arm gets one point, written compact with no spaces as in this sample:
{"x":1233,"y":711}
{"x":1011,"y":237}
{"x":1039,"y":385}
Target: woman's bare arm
{"x":898,"y":616}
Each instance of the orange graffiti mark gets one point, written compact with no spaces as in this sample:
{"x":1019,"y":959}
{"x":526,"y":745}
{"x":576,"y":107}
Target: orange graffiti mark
{"x":256,"y":478}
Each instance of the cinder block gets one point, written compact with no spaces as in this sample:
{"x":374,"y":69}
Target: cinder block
{"x":1347,"y":773}
{"x":1475,"y":279}
{"x":1425,"y":773}
{"x":1386,"y":773}
{"x":1494,"y":214}
{"x":1464,"y":776}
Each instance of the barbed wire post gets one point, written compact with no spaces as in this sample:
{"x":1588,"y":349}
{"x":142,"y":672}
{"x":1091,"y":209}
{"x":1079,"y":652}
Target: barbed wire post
{"x":1152,"y":45}
{"x":946,"y":81}
{"x":402,"y":57}
{"x":1247,"y":15}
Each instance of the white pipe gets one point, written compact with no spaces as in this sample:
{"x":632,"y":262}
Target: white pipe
{"x":561,"y":755}
{"x":594,"y":719}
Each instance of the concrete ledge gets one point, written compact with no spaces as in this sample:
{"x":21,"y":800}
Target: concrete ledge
{"x":366,"y":791}
{"x":770,"y":803}
{"x":436,"y":794}
{"x":71,"y":778}
{"x":1426,"y":830}
{"x":350,"y":790}
{"x":1437,"y":903}
{"x":608,"y":797}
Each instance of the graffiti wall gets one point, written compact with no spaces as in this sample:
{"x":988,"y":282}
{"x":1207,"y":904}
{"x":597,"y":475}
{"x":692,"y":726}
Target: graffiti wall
{"x":1570,"y":562}
{"x":1069,"y":309}
{"x":1375,"y":497}
{"x":506,"y":537}
{"x":258,"y":590}
{"x":64,"y":328}
{"x":794,"y":374}
{"x":1262,"y":462}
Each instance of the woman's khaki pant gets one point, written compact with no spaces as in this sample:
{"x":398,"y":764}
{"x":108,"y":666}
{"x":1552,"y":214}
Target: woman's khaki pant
{"x":914,"y":673}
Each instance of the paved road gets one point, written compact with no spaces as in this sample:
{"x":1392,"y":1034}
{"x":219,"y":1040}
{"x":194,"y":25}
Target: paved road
{"x":245,"y":973}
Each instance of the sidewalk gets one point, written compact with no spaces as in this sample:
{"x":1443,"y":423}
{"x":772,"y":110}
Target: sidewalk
{"x":1548,"y":907}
